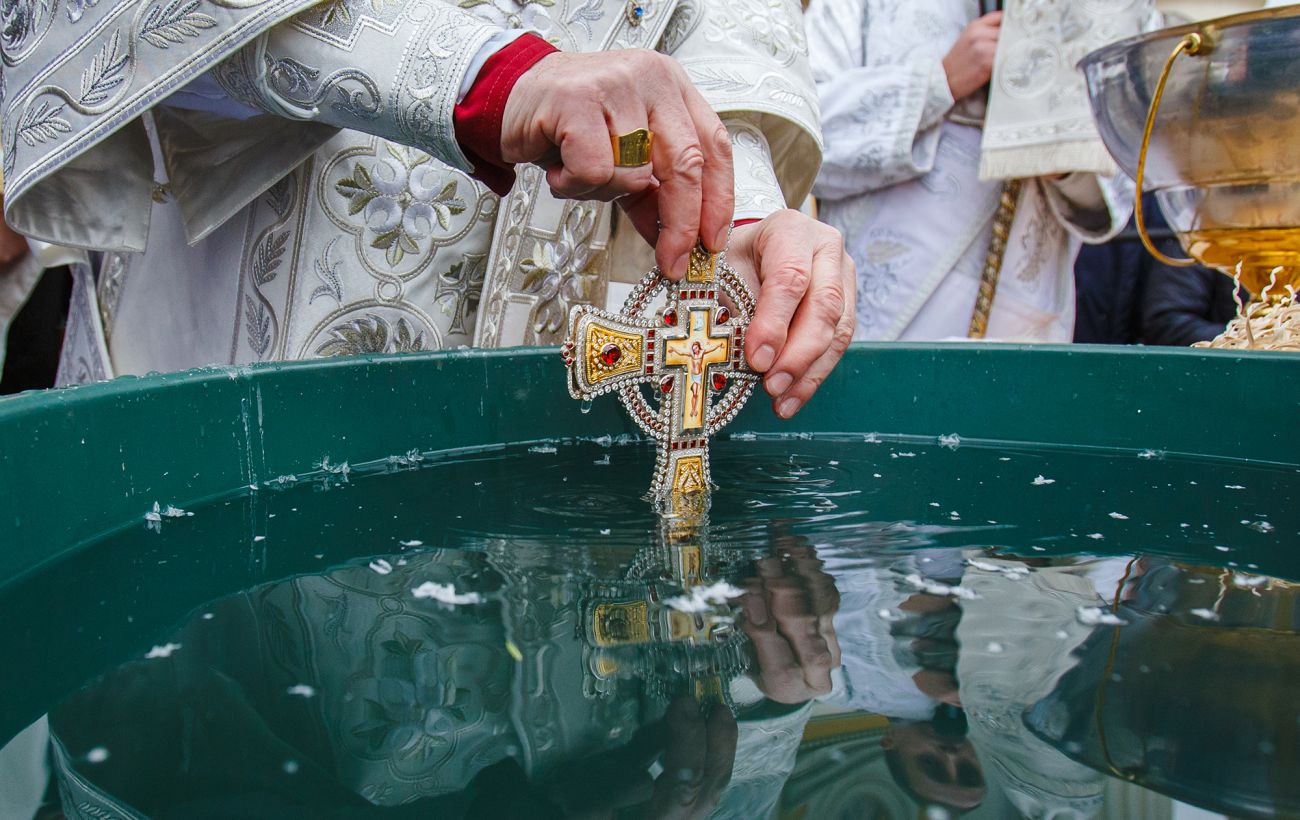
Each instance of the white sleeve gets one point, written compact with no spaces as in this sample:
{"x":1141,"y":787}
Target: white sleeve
{"x":880,"y":122}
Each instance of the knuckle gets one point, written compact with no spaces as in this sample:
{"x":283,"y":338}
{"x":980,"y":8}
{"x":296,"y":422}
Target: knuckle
{"x":721,"y":141}
{"x":827,"y":303}
{"x":792,"y":281}
{"x":689,"y":163}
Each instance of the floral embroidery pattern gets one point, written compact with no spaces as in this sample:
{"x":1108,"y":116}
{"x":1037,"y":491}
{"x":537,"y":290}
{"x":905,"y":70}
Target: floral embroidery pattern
{"x":562,"y":272}
{"x":459,"y":290}
{"x":529,"y":14}
{"x":401,"y":197}
{"x":371,"y":334}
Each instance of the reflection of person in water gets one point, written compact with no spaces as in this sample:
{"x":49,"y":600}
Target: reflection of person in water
{"x":900,"y":655}
{"x":341,"y":695}
{"x":934,"y":762}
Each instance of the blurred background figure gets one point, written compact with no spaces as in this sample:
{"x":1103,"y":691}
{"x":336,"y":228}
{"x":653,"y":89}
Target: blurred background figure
{"x":1126,"y":296}
{"x":904,"y":93}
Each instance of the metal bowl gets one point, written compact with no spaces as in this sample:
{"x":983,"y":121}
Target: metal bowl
{"x":1224,"y":155}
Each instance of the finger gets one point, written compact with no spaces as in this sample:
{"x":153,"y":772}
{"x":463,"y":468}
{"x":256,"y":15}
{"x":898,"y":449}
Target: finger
{"x":586,"y":157}
{"x":791,"y":611}
{"x":821,"y":331}
{"x":717,"y":185}
{"x":719,"y":758}
{"x":677,"y":789}
{"x":783,"y":261}
{"x":624,"y":114}
{"x":642,"y":211}
{"x":679,"y":167}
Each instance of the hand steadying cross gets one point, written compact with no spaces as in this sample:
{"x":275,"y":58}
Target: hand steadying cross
{"x":692,"y":351}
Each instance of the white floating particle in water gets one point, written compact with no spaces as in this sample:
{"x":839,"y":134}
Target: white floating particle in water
{"x":1039,"y":481}
{"x":1013,"y":573}
{"x":301,"y":690}
{"x":743,"y":437}
{"x":951,"y":441}
{"x":871,"y":438}
{"x":175,"y":512}
{"x":1118,"y":516}
{"x":954,"y":515}
{"x":290,"y":767}
{"x":207,"y":616}
{"x":833,"y":463}
{"x":381,"y":566}
{"x":1259,"y":526}
{"x":902,"y":455}
{"x":1233,"y":487}
{"x":1148,"y":454}
{"x":935,"y":504}
{"x":1196,"y":579}
{"x":97,"y":755}
{"x":585,"y":407}
{"x":994,"y":647}
{"x":545,"y":449}
{"x":1221,"y":548}
{"x":890,"y":615}
{"x":937,"y":588}
{"x":1095,"y":536}
{"x":1061,"y":634}
{"x":876,"y":475}
{"x":412,"y":543}
{"x":446,"y":593}
{"x":703,"y":598}
{"x":605,"y":532}
{"x":258,"y":538}
{"x":755,"y":504}
{"x":1096,"y":616}
{"x":1245,"y":581}
{"x":1005,"y":458}
{"x":164,"y":651}
{"x":1037,"y":548}
{"x":1205,"y":614}
{"x":603,"y":461}
{"x":937,"y":813}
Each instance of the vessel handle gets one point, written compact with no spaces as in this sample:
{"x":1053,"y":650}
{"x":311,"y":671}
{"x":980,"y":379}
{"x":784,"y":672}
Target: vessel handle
{"x":1194,"y":43}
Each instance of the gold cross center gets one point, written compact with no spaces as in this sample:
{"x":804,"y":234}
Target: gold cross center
{"x":694,"y":353}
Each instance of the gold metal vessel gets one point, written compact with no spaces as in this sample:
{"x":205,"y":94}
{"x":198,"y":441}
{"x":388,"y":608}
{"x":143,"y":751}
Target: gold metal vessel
{"x":1208,"y":116}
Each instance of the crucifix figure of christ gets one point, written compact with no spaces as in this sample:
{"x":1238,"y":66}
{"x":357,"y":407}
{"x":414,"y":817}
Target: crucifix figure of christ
{"x":688,"y":355}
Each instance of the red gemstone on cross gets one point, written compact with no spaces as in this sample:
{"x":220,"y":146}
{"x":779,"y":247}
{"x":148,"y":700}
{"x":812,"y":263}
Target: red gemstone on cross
{"x":610,"y":354}
{"x":666,"y":384}
{"x":719,"y":381}
{"x":670,"y":317}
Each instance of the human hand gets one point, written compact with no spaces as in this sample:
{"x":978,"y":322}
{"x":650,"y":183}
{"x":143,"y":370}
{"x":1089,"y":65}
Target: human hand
{"x":807,"y":287}
{"x":789,"y":610}
{"x":969,"y":63}
{"x":562,"y":112}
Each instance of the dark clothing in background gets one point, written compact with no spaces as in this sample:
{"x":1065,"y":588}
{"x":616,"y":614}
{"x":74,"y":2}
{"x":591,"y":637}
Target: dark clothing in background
{"x":1125,"y":296}
{"x":1186,"y":305}
{"x":36,"y":335}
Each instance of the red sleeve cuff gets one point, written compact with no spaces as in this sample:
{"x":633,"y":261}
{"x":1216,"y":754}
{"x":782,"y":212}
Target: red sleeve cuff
{"x":742,"y":222}
{"x":477,"y":118}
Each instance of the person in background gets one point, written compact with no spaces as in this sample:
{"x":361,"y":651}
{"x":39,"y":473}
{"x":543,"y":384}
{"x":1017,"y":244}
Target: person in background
{"x":902,"y":90}
{"x":1126,"y":296}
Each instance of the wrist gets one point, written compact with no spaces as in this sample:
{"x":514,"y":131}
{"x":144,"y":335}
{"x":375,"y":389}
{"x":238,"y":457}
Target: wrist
{"x":480,"y":115}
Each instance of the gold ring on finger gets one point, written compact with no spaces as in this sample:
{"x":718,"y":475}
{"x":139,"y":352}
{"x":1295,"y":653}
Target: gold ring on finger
{"x":632,"y":150}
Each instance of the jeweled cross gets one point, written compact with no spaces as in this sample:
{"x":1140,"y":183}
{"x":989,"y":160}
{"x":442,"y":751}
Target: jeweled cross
{"x":690,"y":353}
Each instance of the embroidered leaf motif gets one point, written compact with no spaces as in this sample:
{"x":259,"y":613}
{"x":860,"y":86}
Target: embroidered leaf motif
{"x":335,"y":10}
{"x":357,"y":188}
{"x":280,"y":196}
{"x":259,"y":326}
{"x":587,"y":14}
{"x":42,"y":123}
{"x":328,"y":272}
{"x":169,"y":25}
{"x":372,"y":334}
{"x":267,"y":258}
{"x":104,"y":73}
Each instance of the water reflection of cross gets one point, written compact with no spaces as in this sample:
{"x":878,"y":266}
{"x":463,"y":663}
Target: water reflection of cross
{"x":691,"y":352}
